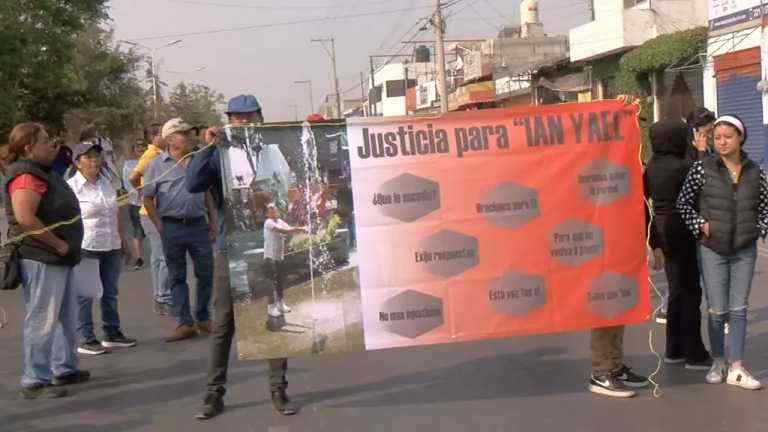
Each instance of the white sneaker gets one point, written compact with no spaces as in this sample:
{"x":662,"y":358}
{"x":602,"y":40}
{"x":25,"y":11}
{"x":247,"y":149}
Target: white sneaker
{"x":283,"y":307}
{"x":743,"y":379}
{"x":717,"y":372}
{"x":274,"y":311}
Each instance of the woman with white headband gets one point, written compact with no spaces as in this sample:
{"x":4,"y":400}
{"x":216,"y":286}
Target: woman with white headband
{"x":724,"y":202}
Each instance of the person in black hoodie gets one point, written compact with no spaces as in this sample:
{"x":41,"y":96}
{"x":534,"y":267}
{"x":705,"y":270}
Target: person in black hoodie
{"x":663,"y":180}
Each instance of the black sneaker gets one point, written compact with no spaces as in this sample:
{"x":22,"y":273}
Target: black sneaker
{"x":118,"y":340}
{"x":213,"y":405}
{"x":76,"y":377}
{"x":699,"y":364}
{"x":93,"y":347}
{"x":42,"y":391}
{"x":629,"y":378}
{"x":138,"y":264}
{"x":609,"y":385}
{"x":282,"y":404}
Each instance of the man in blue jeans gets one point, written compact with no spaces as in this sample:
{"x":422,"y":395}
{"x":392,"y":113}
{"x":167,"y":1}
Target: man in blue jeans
{"x":180,"y":217}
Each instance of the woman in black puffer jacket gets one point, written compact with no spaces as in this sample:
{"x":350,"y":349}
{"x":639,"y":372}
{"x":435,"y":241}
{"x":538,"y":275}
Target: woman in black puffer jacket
{"x":724,"y":202}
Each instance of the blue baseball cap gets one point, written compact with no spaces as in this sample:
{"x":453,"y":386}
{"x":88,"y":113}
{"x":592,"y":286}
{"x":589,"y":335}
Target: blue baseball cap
{"x":243,"y":104}
{"x":86,"y":146}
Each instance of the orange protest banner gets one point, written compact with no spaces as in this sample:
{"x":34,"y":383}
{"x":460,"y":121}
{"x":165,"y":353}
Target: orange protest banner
{"x":460,"y":227}
{"x":497,"y":223}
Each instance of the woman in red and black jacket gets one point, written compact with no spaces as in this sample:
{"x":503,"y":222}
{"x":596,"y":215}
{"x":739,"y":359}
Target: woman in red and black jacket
{"x":43,"y":214}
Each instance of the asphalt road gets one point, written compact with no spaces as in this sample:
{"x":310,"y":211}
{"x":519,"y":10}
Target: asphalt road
{"x":523,"y":384}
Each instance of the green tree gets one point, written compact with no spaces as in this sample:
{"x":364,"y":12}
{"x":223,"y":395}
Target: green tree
{"x":37,"y":39}
{"x":196,"y":104}
{"x":103,"y":86}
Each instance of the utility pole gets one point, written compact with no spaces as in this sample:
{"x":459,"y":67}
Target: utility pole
{"x":372,"y":90}
{"x":154,"y":84}
{"x":332,"y":54}
{"x":405,"y":84}
{"x":362,"y":92}
{"x":442,"y":85}
{"x":153,"y":65}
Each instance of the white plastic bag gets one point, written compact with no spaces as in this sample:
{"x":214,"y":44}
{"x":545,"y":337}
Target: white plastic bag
{"x":87,"y":278}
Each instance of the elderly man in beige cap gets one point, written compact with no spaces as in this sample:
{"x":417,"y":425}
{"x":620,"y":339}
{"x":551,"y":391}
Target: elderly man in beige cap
{"x":185,"y":226}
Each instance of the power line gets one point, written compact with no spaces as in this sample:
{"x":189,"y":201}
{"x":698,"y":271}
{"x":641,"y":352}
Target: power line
{"x":495,"y":9}
{"x":405,"y":34}
{"x":239,"y":6}
{"x":392,"y":57}
{"x":450,"y":3}
{"x":487,"y":22}
{"x":278,"y":24}
{"x":266,"y":7}
{"x":444,"y":6}
{"x":415,"y":26}
{"x":467,"y":6}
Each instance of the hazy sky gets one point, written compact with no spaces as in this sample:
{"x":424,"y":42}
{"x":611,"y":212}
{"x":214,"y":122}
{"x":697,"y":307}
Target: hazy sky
{"x":266,"y":61}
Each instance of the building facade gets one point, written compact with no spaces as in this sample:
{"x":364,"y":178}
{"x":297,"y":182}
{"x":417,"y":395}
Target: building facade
{"x":734,"y":68}
{"x":621,"y":25}
{"x":521,"y":50}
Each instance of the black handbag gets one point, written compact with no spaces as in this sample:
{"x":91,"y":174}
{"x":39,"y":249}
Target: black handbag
{"x":10,"y":277}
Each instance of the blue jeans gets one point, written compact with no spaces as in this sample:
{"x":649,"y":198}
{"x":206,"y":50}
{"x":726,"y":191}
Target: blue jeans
{"x":50,"y":320}
{"x":178,"y":240}
{"x":157,"y":265}
{"x":727,"y":283}
{"x":110,"y":263}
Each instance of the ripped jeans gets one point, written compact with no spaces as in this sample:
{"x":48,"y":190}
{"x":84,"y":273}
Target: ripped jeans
{"x":727,"y":283}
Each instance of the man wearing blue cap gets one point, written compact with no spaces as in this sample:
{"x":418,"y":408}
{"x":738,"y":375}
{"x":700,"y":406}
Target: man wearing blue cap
{"x":204,"y":174}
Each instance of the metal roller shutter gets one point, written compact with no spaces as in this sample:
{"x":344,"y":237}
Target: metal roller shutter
{"x":737,"y":77}
{"x":740,"y":96}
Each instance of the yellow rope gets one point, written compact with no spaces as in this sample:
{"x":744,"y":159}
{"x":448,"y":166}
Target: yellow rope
{"x":121,"y":200}
{"x":655,"y":387}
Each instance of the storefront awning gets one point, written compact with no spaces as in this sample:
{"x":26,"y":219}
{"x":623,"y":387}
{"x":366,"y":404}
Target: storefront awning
{"x":575,"y":82}
{"x":472,"y":94}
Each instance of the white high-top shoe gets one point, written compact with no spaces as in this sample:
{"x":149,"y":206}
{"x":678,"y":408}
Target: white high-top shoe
{"x":743,"y":379}
{"x":717,"y":372}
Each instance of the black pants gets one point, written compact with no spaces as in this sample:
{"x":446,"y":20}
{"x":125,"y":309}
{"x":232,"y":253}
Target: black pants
{"x":683,"y":310}
{"x":224,"y":331}
{"x":274,"y":271}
